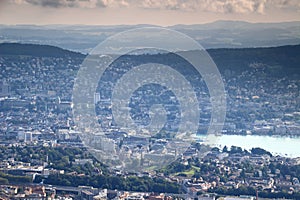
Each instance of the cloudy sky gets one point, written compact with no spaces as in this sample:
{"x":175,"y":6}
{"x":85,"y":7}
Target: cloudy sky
{"x":158,"y":12}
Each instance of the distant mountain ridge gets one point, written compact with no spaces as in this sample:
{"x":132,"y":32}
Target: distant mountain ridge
{"x":36,"y":50}
{"x":226,"y":24}
{"x":219,"y":34}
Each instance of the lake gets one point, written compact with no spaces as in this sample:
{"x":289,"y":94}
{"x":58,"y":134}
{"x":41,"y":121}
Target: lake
{"x":284,"y":146}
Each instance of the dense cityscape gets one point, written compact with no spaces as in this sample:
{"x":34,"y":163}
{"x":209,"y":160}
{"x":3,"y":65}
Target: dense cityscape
{"x":149,"y":100}
{"x":43,"y":157}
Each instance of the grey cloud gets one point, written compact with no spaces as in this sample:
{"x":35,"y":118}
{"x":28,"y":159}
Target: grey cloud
{"x":217,"y":6}
{"x":52,"y":3}
{"x":67,"y":3}
{"x":295,"y":4}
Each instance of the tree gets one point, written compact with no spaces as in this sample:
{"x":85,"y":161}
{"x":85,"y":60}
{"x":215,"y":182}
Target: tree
{"x":3,"y":181}
{"x":260,"y":151}
{"x":225,"y":149}
{"x":235,"y":149}
{"x":215,"y":149}
{"x":243,"y":174}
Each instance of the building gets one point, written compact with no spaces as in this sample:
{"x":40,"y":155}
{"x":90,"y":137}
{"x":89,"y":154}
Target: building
{"x":96,"y":97}
{"x":4,"y":88}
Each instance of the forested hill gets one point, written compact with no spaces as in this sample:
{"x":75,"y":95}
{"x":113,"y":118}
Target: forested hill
{"x":36,"y":50}
{"x":283,"y":59}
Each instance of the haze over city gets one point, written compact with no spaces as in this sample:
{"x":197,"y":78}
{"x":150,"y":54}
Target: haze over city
{"x":149,"y":99}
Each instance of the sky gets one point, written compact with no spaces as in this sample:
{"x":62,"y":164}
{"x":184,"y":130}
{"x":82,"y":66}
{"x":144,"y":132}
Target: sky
{"x":156,"y":12}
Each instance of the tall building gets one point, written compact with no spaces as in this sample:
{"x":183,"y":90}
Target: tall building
{"x":96,"y":97}
{"x":28,"y":137}
{"x":4,"y":88}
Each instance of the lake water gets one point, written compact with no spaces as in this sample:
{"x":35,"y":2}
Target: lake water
{"x":284,"y":146}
